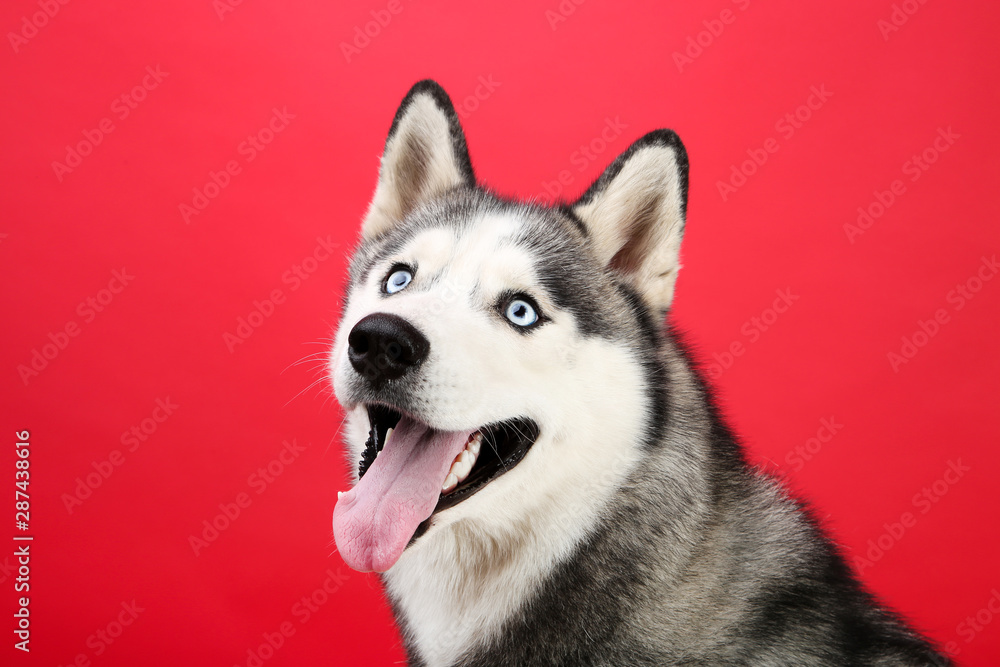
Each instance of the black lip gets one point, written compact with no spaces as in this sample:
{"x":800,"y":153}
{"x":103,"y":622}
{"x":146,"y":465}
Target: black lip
{"x":504,"y":445}
{"x":381,"y":418}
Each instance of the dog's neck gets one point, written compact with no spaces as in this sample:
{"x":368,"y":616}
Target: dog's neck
{"x":459,"y":583}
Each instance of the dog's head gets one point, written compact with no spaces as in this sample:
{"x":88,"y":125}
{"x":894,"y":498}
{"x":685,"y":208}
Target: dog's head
{"x":493,"y":355}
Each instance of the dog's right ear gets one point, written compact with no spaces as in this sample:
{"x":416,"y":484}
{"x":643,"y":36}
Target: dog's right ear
{"x":634,"y":215}
{"x":425,"y":155}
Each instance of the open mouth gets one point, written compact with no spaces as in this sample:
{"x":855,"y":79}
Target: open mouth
{"x":409,"y":471}
{"x":489,"y":452}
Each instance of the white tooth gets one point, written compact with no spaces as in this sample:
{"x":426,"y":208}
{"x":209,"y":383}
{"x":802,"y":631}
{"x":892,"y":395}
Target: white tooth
{"x":474,"y":443}
{"x":461,"y":469}
{"x":339,"y":494}
{"x":450,"y":482}
{"x":388,"y":433}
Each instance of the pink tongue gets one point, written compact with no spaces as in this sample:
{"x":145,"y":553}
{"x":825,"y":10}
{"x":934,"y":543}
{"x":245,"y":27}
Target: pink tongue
{"x":374,"y":521}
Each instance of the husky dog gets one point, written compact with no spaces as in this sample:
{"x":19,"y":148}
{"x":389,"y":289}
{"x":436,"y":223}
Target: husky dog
{"x":543,"y":478}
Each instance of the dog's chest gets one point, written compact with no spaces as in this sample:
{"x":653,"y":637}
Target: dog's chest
{"x":449,"y":611}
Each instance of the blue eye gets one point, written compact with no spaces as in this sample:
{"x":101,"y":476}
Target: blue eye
{"x":521,"y":313}
{"x":398,"y":281}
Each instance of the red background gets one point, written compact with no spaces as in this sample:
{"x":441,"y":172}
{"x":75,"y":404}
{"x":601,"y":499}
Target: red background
{"x":554,"y":85}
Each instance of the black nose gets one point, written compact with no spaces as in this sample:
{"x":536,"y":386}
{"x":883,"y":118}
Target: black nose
{"x":383,"y":347}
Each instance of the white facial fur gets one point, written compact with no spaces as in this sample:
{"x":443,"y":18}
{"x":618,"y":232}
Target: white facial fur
{"x":464,"y":576}
{"x":480,"y":559}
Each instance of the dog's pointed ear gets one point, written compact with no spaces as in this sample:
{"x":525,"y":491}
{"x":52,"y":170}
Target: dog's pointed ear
{"x":425,"y":155}
{"x":634,"y":214}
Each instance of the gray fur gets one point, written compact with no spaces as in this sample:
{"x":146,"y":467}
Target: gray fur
{"x":701,"y":560}
{"x":697,"y":558}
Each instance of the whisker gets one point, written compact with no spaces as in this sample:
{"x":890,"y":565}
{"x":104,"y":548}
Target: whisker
{"x":336,"y":433}
{"x":311,"y":385}
{"x":314,"y":356}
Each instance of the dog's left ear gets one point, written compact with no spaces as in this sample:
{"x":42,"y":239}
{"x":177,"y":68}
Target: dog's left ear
{"x":425,"y":155}
{"x":634,"y":214}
